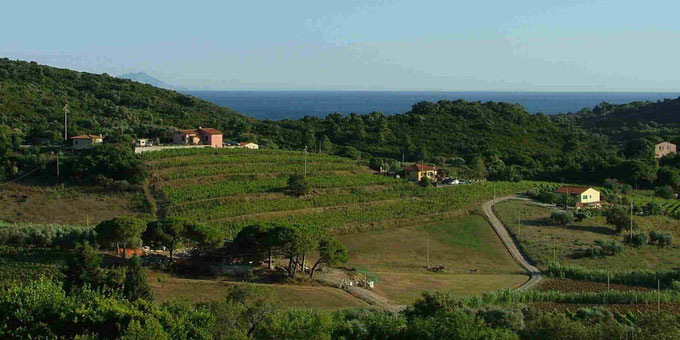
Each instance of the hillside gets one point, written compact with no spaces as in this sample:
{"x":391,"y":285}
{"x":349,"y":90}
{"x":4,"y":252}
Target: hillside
{"x":32,"y":98}
{"x":655,"y":120}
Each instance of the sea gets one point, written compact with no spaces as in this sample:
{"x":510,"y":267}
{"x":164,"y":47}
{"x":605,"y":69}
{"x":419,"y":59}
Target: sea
{"x":279,"y":105}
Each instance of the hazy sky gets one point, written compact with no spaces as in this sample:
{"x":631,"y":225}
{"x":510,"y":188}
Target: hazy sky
{"x":537,"y":45}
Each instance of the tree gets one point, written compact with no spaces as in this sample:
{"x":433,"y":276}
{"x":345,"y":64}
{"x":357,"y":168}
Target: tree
{"x":478,"y":169}
{"x":562,"y":217}
{"x":135,"y":286}
{"x":204,"y":236}
{"x":244,"y":312}
{"x":83,"y":268}
{"x":298,"y":185}
{"x":619,"y":218}
{"x":254,"y":240}
{"x":664,"y":192}
{"x":636,"y":172}
{"x":123,"y":230}
{"x":425,"y":182}
{"x":294,"y":242}
{"x":331,"y":252}
{"x":668,"y":176}
{"x":168,"y":232}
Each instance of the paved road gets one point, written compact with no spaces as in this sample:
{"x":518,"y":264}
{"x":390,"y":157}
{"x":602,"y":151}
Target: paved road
{"x":502,"y":232}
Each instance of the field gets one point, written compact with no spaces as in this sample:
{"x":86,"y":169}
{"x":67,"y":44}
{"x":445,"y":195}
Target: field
{"x":544,"y":242}
{"x":288,"y":296}
{"x":66,"y":205}
{"x":233,"y":188}
{"x":386,"y":223}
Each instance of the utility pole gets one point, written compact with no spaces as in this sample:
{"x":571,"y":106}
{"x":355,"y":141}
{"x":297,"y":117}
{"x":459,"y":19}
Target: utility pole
{"x":658,"y":296}
{"x":305,"y":161}
{"x":631,"y":221}
{"x":65,"y":122}
{"x":428,"y":251}
{"x":58,"y":166}
{"x":403,"y":157}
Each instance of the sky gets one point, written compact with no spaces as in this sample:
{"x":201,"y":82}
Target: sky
{"x":483,"y":45}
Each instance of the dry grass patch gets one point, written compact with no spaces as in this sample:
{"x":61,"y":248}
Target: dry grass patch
{"x":66,"y":205}
{"x":286,"y":296}
{"x":403,"y":288}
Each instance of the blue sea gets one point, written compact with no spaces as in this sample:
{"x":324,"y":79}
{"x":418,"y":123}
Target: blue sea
{"x":277,"y":105}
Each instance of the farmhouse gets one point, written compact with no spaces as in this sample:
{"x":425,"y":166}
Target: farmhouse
{"x":583,"y":196}
{"x":201,"y":136}
{"x":663,"y":149}
{"x":416,"y":172}
{"x":85,"y":141}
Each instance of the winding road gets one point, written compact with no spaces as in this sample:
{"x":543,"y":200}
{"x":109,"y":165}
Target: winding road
{"x":535,"y":275}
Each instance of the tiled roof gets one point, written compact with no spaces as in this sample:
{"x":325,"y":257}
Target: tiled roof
{"x":571,"y":189}
{"x":420,"y":167}
{"x":188,"y":132}
{"x":210,"y":131}
{"x":86,"y":137}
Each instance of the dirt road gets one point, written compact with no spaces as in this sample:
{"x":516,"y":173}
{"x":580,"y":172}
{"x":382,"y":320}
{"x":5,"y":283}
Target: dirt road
{"x":502,"y":232}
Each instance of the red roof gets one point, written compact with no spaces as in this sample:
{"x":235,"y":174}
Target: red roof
{"x":571,"y":189}
{"x":86,"y":137}
{"x":210,"y":131}
{"x":420,"y":167}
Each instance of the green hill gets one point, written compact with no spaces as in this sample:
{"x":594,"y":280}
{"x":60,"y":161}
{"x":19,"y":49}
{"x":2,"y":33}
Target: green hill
{"x":32,"y":99}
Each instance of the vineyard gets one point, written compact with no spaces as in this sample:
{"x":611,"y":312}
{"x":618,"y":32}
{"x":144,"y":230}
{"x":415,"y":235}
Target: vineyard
{"x":233,"y":188}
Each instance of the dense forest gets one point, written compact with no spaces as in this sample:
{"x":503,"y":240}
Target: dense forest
{"x":591,"y":145}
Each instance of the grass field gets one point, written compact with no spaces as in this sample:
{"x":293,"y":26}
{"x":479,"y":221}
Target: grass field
{"x":288,"y":296}
{"x":472,"y":255}
{"x":544,"y":242}
{"x":66,"y":205}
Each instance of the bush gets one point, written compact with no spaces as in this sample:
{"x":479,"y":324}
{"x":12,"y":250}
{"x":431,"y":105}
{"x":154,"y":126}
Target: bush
{"x":543,"y":194}
{"x":664,"y":192}
{"x":582,"y":214}
{"x":605,"y":248}
{"x":616,"y":186}
{"x":660,"y":238}
{"x":637,"y":240}
{"x":618,"y":217}
{"x":562,"y":217}
{"x":44,"y":235}
{"x":298,"y":185}
{"x":652,"y":208}
{"x":425,"y":182}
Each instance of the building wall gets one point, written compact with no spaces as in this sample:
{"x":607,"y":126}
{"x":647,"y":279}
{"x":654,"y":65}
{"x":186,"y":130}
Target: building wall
{"x":663,"y":149}
{"x":589,"y":196}
{"x":82,"y":143}
{"x":216,"y":141}
{"x":177,"y":138}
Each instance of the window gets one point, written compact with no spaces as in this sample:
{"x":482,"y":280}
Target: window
{"x":585,"y":197}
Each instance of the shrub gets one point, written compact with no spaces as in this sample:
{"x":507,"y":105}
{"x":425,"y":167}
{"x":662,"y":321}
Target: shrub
{"x":637,"y":240}
{"x":616,"y":186}
{"x":543,"y":194}
{"x":582,"y":214}
{"x":562,"y":217}
{"x":652,"y":208}
{"x":618,"y":217}
{"x":425,"y":182}
{"x":605,"y":248}
{"x":298,"y":185}
{"x":660,"y":238}
{"x":664,"y":192}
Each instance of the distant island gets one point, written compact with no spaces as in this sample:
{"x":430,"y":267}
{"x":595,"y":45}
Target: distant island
{"x":144,"y":78}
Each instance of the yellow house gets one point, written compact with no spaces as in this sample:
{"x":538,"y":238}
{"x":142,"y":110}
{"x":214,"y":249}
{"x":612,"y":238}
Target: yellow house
{"x":583,"y":196}
{"x":416,"y":172}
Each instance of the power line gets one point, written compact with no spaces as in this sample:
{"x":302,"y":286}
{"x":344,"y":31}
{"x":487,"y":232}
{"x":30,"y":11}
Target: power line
{"x":24,"y":175}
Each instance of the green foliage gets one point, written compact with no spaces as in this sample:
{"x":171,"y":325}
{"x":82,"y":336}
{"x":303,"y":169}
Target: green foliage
{"x":638,"y":240}
{"x":425,"y":182}
{"x":616,"y":186}
{"x":664,"y":192}
{"x":660,"y":238}
{"x":135,"y":285}
{"x":123,"y":230}
{"x":652,"y":208}
{"x":544,"y":194}
{"x":42,"y":309}
{"x":203,"y":236}
{"x":605,"y":248}
{"x":667,"y":176}
{"x":562,"y":217}
{"x":33,"y":96}
{"x":44,"y":235}
{"x":331,"y":252}
{"x":298,"y":185}
{"x":245,"y":312}
{"x":168,"y":232}
{"x":619,"y":218}
{"x":642,"y":278}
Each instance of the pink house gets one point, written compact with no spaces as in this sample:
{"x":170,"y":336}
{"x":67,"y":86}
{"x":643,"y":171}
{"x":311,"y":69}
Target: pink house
{"x":200,"y":136}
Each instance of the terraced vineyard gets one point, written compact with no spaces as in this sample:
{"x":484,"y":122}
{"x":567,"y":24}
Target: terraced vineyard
{"x":232,"y":188}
